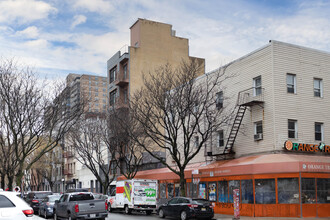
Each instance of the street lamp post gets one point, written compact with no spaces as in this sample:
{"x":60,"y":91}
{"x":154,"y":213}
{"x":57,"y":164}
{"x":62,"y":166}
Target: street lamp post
{"x":63,"y":185}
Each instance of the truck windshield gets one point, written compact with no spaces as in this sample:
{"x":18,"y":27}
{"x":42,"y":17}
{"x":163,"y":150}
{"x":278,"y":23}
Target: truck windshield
{"x":80,"y":197}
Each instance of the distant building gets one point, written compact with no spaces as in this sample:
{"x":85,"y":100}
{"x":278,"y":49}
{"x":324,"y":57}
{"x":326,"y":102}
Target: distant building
{"x":152,"y":44}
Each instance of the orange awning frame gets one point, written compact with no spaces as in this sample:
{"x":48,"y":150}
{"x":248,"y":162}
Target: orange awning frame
{"x":250,"y":165}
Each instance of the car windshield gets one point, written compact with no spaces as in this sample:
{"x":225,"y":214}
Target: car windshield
{"x":41,"y":195}
{"x":201,"y":201}
{"x":80,"y":197}
{"x":53,"y":198}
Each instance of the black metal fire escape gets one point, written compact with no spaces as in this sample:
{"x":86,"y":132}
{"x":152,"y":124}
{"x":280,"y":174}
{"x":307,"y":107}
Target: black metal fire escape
{"x":246,"y":98}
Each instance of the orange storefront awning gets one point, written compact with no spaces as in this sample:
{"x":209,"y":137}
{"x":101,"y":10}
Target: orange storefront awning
{"x":259,"y":164}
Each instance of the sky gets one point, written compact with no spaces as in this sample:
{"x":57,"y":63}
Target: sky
{"x":59,"y":37}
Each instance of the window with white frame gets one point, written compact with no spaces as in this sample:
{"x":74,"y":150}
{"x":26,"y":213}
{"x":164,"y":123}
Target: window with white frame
{"x":219,"y":100}
{"x":318,"y":131}
{"x":318,"y":87}
{"x":221,"y":140}
{"x":196,"y":141}
{"x":258,"y":130}
{"x":257,"y":86}
{"x":292,"y":129}
{"x":291,"y":83}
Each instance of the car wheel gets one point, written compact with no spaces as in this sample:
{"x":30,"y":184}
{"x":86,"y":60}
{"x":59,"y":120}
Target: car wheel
{"x":109,"y":207}
{"x":45,"y":214}
{"x":161,"y":213}
{"x":127,"y":210}
{"x":183,"y":215}
{"x":55,"y":216}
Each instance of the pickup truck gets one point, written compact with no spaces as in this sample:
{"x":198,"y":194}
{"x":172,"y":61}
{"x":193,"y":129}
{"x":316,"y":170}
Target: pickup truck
{"x":80,"y":205}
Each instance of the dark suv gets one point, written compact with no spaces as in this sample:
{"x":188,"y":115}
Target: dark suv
{"x":34,"y":199}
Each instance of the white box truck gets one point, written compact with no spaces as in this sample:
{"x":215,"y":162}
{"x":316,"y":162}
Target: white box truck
{"x":134,"y":194}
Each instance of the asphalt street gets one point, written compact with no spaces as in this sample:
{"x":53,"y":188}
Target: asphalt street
{"x":121,"y":216}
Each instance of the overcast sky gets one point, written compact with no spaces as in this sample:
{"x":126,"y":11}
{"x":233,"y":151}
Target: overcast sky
{"x":58,"y":37}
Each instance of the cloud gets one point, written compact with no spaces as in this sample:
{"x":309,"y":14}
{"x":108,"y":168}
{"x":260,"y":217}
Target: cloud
{"x":99,"y":6}
{"x":24,"y":11}
{"x":30,"y":32}
{"x":78,"y":19}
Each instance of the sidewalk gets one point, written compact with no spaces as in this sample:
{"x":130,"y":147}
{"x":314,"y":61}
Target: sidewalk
{"x":230,"y":217}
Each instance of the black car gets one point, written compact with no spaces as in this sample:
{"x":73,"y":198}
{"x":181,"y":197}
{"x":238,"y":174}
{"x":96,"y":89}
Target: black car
{"x":47,"y":205}
{"x":34,"y":199}
{"x":186,"y":208}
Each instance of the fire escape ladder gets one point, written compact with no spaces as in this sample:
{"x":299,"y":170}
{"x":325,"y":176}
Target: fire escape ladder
{"x":234,"y":129}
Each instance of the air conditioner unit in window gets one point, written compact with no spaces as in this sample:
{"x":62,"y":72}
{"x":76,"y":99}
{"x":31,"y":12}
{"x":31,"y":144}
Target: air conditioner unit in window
{"x":209,"y":153}
{"x":258,"y":137}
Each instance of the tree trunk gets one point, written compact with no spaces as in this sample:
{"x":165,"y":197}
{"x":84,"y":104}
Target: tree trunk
{"x":10,"y":182}
{"x":182,"y":184}
{"x":19,"y":175}
{"x":3,"y":181}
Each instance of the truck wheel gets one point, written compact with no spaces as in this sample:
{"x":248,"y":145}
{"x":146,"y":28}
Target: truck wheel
{"x":183,"y":215}
{"x":161,"y":213}
{"x":127,"y":210}
{"x":148,"y":212}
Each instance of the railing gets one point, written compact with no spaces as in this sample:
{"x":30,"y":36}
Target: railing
{"x":68,"y":172}
{"x":67,"y":154}
{"x":123,"y":50}
{"x":251,"y":96}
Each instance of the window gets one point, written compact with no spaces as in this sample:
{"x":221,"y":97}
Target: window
{"x":213,"y":192}
{"x":162,"y":190}
{"x":173,"y":201}
{"x":5,"y":202}
{"x":288,"y":190}
{"x":104,"y":90}
{"x":112,"y":100}
{"x":265,"y":191}
{"x":257,"y":86}
{"x":323,"y":186}
{"x":233,"y":184}
{"x":318,"y":131}
{"x":125,"y":71}
{"x":113,"y":74}
{"x":308,"y":190}
{"x":96,"y":94}
{"x":202,"y":191}
{"x":170,"y":190}
{"x":223,"y":191}
{"x":221,"y":141}
{"x":291,"y":83}
{"x":292,"y":129}
{"x":258,"y":131}
{"x":318,"y":87}
{"x":247,"y":191}
{"x":96,"y":83}
{"x":196,"y":141}
{"x":125,"y":96}
{"x":219,"y":100}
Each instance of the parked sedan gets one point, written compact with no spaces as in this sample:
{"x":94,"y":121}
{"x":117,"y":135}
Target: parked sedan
{"x":186,"y":208}
{"x":47,"y":205}
{"x":35,"y":198}
{"x":13,"y":207}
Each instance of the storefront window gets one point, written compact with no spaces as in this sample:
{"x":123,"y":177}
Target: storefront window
{"x":233,"y":184}
{"x":247,"y":191}
{"x":202,"y":191}
{"x":288,"y":190}
{"x":323,"y":190}
{"x":308,"y":190}
{"x":170,"y":190}
{"x":265,"y":191}
{"x":213,"y":192}
{"x":162,"y":190}
{"x":223,"y":191}
{"x":177,"y":189}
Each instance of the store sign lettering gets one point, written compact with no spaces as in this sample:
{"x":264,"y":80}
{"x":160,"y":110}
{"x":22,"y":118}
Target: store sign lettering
{"x":288,"y":145}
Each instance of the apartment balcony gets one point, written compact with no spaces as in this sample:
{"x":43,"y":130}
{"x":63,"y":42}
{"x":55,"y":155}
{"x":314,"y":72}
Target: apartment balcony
{"x":251,"y":97}
{"x":68,"y":154}
{"x":121,"y":80}
{"x":68,"y":172}
{"x":121,"y":103}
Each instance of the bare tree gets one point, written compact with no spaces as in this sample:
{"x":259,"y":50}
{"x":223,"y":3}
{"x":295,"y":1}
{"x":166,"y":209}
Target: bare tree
{"x":29,"y":118}
{"x":128,"y":155}
{"x":91,"y":150}
{"x":177,"y":113}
